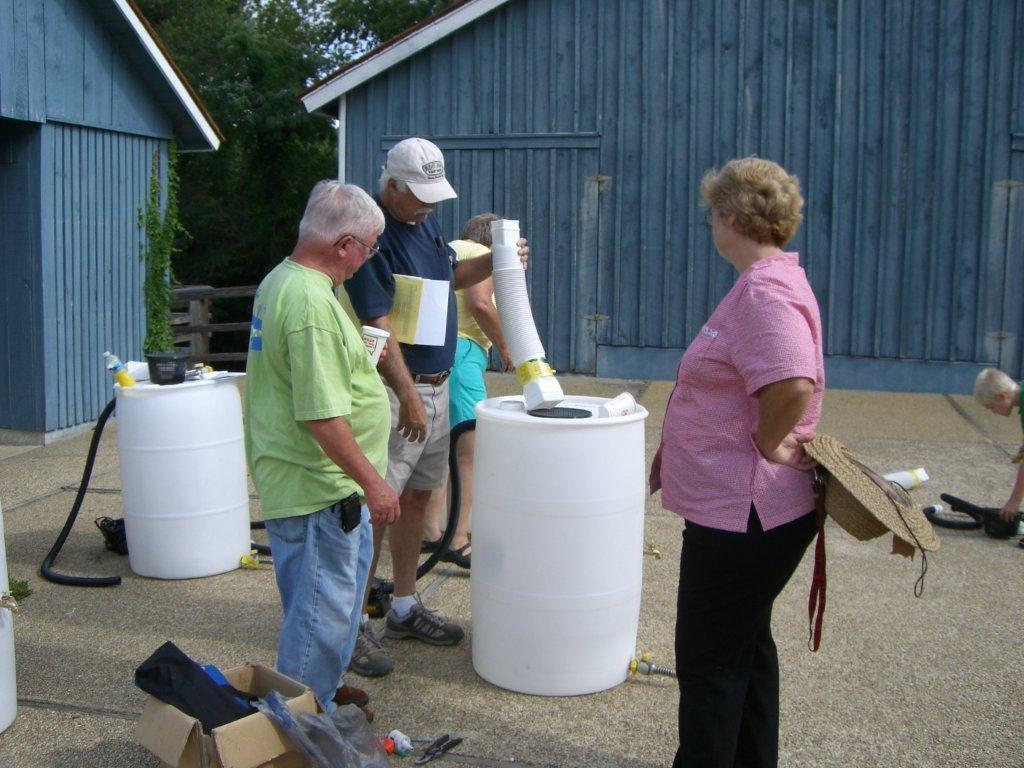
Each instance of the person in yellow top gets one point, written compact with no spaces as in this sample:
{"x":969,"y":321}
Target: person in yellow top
{"x":479,"y":329}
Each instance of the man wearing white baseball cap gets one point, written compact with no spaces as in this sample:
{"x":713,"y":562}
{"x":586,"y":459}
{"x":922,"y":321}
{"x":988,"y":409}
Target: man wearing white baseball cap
{"x":412,"y":183}
{"x":420,"y":164}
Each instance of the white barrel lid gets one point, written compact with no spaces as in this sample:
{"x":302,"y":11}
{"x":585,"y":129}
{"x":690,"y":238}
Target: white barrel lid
{"x":512,"y":409}
{"x":145,"y":388}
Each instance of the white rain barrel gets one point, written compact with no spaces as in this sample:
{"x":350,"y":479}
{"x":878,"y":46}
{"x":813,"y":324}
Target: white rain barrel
{"x":183,"y":477}
{"x":558,"y":520}
{"x":8,"y":687}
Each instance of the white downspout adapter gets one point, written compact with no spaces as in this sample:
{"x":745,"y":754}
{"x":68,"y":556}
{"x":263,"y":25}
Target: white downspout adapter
{"x":540,"y":387}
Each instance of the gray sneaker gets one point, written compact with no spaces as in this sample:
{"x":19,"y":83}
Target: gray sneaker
{"x":422,"y":623}
{"x":369,"y":659}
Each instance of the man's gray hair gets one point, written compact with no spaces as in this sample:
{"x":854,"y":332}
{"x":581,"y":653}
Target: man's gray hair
{"x":385,"y":177}
{"x":335,"y":209}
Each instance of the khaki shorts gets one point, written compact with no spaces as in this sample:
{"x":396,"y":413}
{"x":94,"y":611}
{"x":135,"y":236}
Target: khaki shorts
{"x":420,"y":466}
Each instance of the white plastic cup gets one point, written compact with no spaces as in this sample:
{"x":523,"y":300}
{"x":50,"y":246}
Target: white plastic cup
{"x":620,"y":405}
{"x":374,"y":339}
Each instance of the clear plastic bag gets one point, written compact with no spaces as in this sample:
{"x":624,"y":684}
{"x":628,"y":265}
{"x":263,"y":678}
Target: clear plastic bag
{"x":357,"y":734}
{"x":341,"y":740}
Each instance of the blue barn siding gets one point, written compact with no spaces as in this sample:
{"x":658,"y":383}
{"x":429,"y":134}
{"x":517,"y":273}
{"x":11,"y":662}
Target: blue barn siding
{"x":71,"y":244}
{"x":22,"y":95}
{"x":89,"y":80}
{"x":21,"y":358}
{"x":93,"y":273}
{"x":59,"y":61}
{"x":902,"y":118}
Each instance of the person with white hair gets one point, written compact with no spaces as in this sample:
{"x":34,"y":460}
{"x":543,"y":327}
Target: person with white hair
{"x":413,"y":251}
{"x":1000,"y":394}
{"x":316,"y":436}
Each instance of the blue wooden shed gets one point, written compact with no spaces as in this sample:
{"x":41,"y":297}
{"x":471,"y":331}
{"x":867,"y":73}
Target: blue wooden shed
{"x":89,"y":102}
{"x":592,"y":121}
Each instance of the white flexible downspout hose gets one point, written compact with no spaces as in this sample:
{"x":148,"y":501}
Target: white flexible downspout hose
{"x":540,"y":387}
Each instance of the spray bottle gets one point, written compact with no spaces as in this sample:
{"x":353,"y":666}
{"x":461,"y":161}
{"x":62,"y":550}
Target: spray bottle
{"x":117,"y":369}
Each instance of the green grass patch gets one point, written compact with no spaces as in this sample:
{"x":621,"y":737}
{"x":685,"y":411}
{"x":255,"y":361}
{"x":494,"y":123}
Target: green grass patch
{"x":19,"y":589}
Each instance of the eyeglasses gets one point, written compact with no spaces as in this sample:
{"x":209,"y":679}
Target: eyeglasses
{"x":373,"y":249}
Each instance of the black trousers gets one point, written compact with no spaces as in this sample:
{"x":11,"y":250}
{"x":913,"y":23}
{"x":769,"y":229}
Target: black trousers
{"x":725,"y":655}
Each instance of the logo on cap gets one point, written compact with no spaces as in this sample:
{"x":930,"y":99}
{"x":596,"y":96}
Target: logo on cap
{"x":433,"y":170}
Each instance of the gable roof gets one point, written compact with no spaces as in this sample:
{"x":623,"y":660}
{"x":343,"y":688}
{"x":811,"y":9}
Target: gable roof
{"x":323,"y":93}
{"x":196,"y":128}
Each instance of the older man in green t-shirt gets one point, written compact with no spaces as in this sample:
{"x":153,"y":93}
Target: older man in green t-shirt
{"x":317,"y":426}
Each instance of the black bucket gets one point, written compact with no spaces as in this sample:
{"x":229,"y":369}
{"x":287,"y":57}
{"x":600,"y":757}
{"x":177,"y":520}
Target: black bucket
{"x":167,"y":367}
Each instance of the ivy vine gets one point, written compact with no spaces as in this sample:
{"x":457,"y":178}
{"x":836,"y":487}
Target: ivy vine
{"x":161,"y":226}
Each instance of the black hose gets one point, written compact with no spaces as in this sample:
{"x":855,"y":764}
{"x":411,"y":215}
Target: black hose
{"x":960,"y":505}
{"x":456,"y":498}
{"x":46,"y":570}
{"x":261,"y":549}
{"x":955,"y":519}
{"x":970,"y":516}
{"x":259,"y":525}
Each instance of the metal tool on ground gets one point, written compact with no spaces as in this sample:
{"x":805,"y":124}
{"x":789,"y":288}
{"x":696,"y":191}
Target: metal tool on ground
{"x":642,"y":665}
{"x":437,"y":747}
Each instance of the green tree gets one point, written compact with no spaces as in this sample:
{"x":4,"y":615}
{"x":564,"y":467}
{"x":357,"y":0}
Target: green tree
{"x":359,"y":25}
{"x":248,"y":60}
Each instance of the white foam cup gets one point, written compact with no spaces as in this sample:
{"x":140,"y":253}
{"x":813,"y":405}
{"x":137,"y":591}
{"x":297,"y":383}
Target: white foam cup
{"x":374,"y":339}
{"x":620,"y":405}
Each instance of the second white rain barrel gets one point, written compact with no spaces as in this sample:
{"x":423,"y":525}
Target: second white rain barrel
{"x":183,"y":478}
{"x":558,"y":516}
{"x":8,"y":687}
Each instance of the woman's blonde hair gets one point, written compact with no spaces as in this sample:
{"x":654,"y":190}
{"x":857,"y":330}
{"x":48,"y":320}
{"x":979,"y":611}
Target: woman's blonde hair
{"x":763,"y":198}
{"x":992,"y":382}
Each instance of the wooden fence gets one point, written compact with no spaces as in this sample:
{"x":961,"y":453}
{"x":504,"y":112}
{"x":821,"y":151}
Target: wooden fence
{"x":192,"y":319}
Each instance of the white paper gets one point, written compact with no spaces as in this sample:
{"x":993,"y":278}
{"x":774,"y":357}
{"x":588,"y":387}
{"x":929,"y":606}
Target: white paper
{"x":433,"y":320}
{"x":419,"y":314}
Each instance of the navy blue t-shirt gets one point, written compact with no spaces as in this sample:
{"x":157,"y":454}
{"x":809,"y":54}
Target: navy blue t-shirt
{"x":418,"y":250}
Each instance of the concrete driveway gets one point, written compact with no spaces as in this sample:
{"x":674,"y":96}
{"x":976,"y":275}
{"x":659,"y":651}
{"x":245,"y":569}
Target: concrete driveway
{"x":899,"y":681}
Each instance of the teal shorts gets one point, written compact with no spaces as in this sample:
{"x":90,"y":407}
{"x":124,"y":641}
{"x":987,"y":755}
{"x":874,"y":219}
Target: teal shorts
{"x":467,"y":386}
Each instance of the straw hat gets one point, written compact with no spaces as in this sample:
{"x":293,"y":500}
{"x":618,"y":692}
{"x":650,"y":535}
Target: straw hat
{"x":863,"y":502}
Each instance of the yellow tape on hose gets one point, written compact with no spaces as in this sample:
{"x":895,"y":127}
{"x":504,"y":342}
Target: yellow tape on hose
{"x":532,"y":370}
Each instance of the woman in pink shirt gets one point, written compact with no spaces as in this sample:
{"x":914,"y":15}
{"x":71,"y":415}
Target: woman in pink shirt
{"x":732,"y":464}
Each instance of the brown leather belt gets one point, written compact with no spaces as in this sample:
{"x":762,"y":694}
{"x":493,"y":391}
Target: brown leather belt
{"x":433,"y":379}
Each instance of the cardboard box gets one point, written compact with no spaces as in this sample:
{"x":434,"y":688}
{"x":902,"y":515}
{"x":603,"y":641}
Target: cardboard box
{"x":252,"y":742}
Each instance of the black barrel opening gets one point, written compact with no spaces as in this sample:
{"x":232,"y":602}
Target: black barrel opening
{"x":561,"y":412}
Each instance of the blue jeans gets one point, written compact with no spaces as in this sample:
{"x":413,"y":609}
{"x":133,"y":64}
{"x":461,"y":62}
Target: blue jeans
{"x":321,"y":575}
